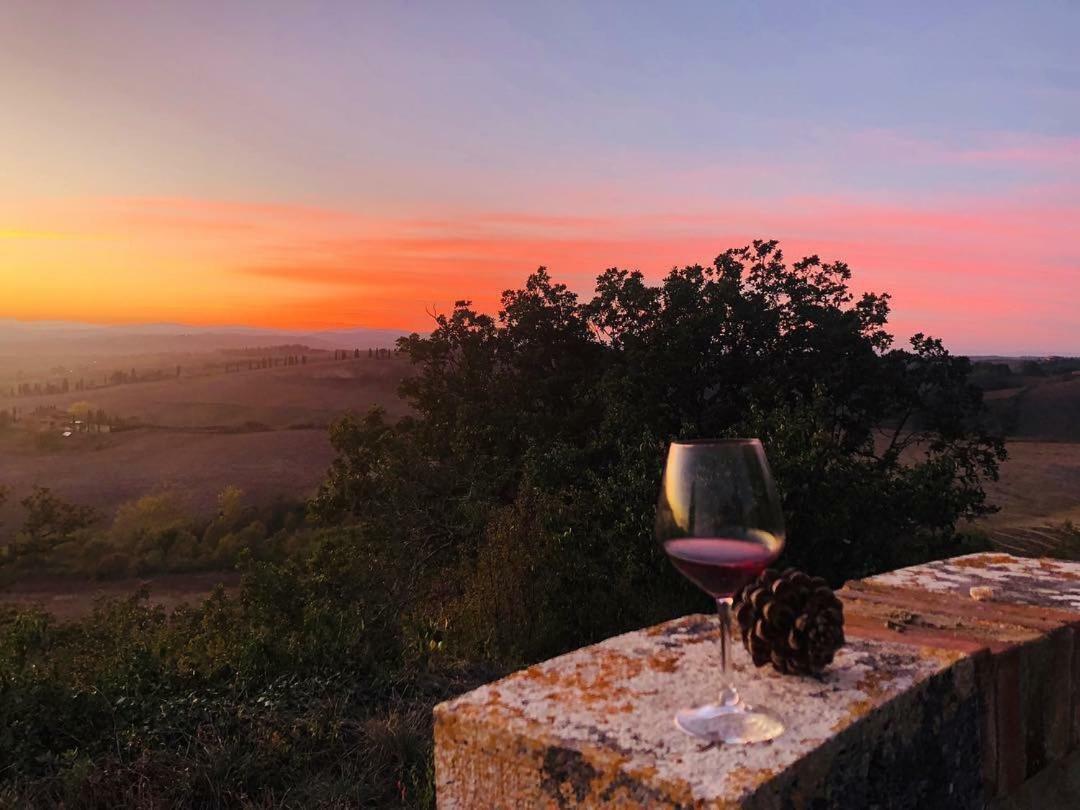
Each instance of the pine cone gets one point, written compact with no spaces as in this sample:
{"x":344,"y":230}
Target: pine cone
{"x":791,"y":620}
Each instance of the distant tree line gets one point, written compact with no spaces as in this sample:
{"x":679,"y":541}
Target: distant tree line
{"x":991,"y":375}
{"x":356,"y":354}
{"x":244,"y":360}
{"x":64,"y":385}
{"x":152,"y":534}
{"x":269,"y":362}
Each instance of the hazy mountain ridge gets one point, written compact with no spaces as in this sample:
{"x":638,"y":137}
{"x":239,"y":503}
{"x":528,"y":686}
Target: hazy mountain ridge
{"x":50,"y":337}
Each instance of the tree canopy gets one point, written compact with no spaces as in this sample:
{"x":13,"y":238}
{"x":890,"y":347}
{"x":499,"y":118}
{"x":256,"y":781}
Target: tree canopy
{"x":530,"y":463}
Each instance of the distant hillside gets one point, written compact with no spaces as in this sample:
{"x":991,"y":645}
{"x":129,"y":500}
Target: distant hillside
{"x":1032,"y":398}
{"x":263,"y":430}
{"x":282,"y":397}
{"x":107,"y":471}
{"x":57,"y":338}
{"x":1049,"y":410}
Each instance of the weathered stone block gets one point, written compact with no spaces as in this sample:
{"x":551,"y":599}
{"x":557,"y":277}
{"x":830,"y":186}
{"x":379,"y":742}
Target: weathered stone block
{"x":1043,"y":597}
{"x":1037,"y":582}
{"x":939,"y":700}
{"x":887,"y":725}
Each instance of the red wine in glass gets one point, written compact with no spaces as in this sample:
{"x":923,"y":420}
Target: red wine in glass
{"x":721,"y":565}
{"x":719,"y":521}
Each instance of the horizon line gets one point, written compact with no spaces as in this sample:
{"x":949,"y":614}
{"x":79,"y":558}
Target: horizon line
{"x":44,"y":323}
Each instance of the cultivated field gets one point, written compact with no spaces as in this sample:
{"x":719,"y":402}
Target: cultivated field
{"x":105,"y":471}
{"x":310,"y":394}
{"x":1040,"y":483}
{"x":1039,"y":497}
{"x":1039,"y":490}
{"x":264,"y":431}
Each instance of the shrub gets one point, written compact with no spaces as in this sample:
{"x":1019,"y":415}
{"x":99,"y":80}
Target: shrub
{"x":152,"y":519}
{"x":91,"y":553}
{"x":298,"y":691}
{"x":186,"y":553}
{"x":251,"y":539}
{"x":51,"y":521}
{"x":113,"y":565}
{"x":230,"y":505}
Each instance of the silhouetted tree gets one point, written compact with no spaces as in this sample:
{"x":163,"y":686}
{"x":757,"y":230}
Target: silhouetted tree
{"x":1032,"y":368}
{"x":535,"y":438}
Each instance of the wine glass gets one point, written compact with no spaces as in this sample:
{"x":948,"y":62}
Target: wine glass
{"x":718,"y":519}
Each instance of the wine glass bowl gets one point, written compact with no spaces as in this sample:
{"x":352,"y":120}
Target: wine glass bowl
{"x":719,"y":520}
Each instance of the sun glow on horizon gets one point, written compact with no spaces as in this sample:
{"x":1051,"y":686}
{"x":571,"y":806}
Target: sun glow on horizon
{"x":295,"y":267}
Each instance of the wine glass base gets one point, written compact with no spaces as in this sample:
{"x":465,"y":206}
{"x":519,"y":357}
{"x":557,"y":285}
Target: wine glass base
{"x":732,"y":723}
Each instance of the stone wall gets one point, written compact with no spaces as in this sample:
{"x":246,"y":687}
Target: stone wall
{"x":959,"y":687}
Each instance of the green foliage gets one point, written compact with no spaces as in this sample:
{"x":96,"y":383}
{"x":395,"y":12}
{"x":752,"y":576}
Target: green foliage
{"x":250,"y":539}
{"x":50,"y":521}
{"x":149,"y":535}
{"x":298,"y":691}
{"x":156,"y":531}
{"x":110,"y":564}
{"x":147,"y":519}
{"x":230,"y":505}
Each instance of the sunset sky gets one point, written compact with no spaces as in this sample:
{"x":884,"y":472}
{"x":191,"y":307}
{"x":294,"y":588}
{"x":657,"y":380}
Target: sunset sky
{"x":329,"y":164}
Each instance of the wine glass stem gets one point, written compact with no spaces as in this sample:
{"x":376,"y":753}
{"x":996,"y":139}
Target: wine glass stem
{"x":729,"y":696}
